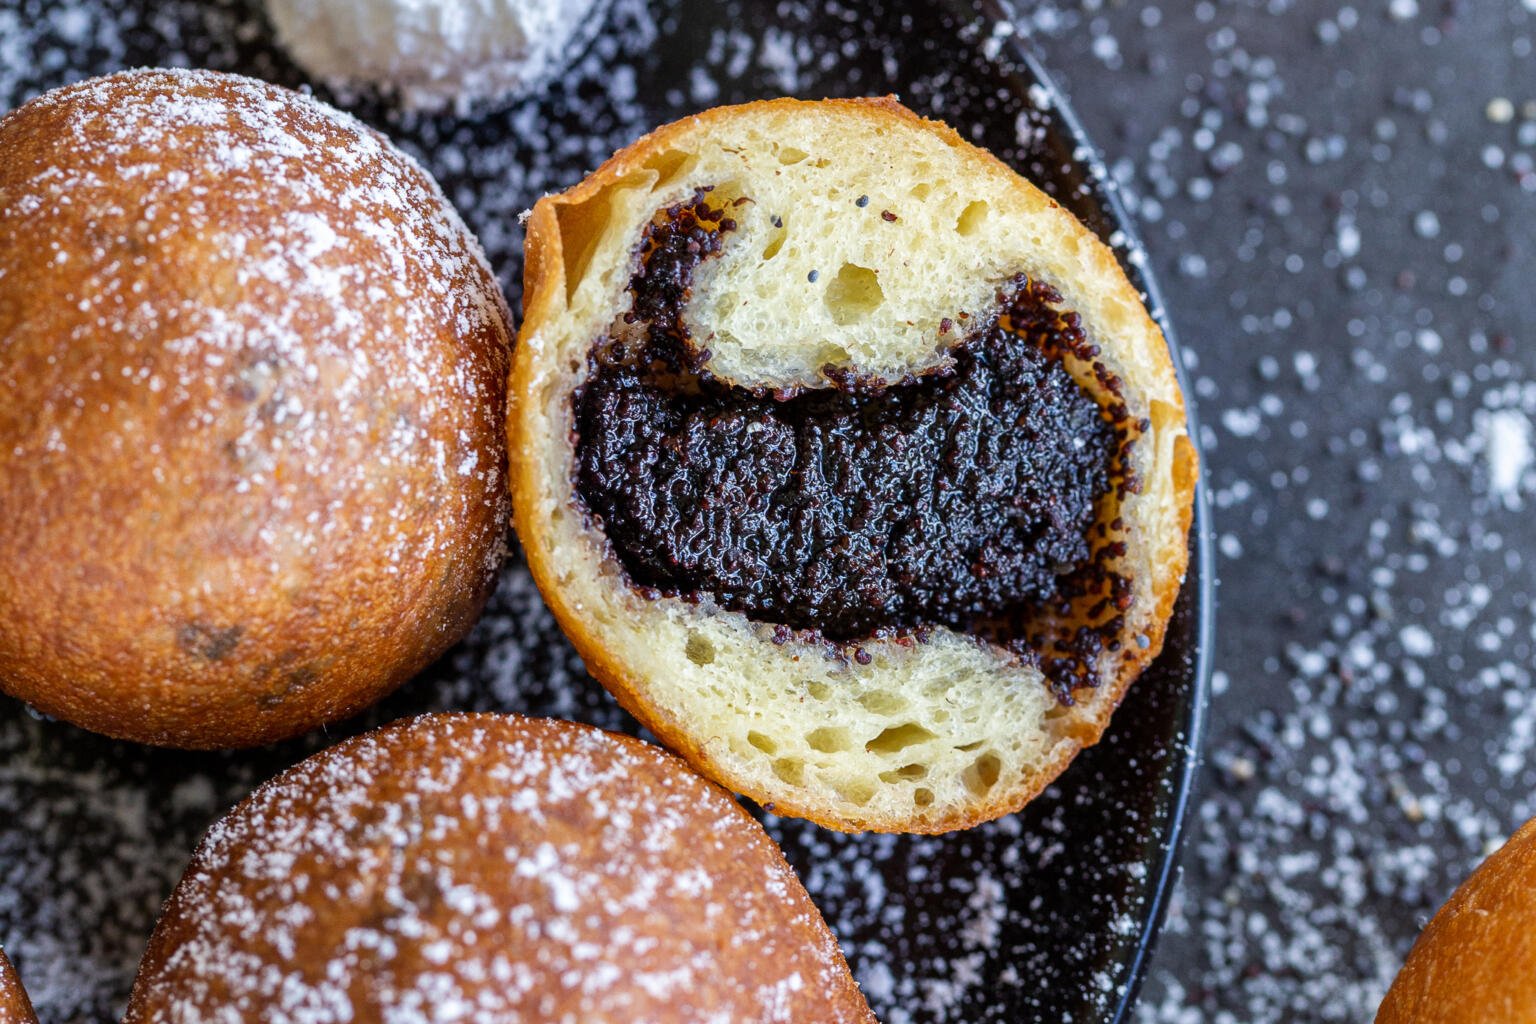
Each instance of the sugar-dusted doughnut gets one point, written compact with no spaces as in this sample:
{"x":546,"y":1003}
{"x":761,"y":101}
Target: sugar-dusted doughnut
{"x":1475,"y":962}
{"x":252,"y":397}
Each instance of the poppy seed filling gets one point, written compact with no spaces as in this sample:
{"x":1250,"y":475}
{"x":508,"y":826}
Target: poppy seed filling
{"x":862,"y":509}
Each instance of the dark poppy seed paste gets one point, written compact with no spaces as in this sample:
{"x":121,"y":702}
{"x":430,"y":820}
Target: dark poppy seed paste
{"x":855,"y":510}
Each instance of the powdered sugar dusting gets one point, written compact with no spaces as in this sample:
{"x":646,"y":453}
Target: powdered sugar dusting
{"x":486,"y":869}
{"x":291,"y":337}
{"x":284,"y":346}
{"x":430,"y":55}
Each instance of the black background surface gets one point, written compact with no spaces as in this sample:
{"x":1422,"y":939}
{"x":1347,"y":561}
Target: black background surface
{"x":1342,"y":220}
{"x":1370,"y":737}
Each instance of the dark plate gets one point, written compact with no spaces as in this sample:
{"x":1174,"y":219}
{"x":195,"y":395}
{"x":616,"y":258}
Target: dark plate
{"x":1046,"y":915}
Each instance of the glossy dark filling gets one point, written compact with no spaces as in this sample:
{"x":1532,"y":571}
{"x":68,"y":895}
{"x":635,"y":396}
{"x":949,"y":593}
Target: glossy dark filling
{"x":962,"y":498}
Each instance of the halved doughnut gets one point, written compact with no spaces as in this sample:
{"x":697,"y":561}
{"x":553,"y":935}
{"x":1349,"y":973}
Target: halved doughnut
{"x":761,"y":310}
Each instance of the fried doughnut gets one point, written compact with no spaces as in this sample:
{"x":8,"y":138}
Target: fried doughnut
{"x":252,"y":396}
{"x":449,"y":53}
{"x":1475,"y":962}
{"x":15,"y":1007}
{"x":493,"y":869}
{"x":852,"y":463}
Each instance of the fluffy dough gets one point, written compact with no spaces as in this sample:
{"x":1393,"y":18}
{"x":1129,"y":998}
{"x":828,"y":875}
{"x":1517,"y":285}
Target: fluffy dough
{"x":927,"y":736}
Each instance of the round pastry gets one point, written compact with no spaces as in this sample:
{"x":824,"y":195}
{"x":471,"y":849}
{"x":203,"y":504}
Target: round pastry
{"x":252,"y":401}
{"x":495,"y":869}
{"x":1475,"y":962}
{"x":851,"y":463}
{"x":15,"y":1007}
{"x":432,"y":55}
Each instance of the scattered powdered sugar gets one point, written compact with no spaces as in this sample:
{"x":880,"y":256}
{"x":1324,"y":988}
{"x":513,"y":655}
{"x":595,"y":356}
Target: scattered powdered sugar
{"x":1338,"y":199}
{"x":484,"y":869}
{"x":1507,"y":444}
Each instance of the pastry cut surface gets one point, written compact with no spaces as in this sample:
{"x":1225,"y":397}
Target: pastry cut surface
{"x":851,"y":463}
{"x":851,"y":508}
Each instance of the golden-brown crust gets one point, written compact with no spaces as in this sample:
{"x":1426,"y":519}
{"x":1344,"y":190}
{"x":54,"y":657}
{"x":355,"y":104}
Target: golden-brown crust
{"x":15,"y":1007}
{"x":531,"y":868}
{"x":1475,"y":962}
{"x":254,"y":455}
{"x":544,"y":294}
{"x":1185,"y":469}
